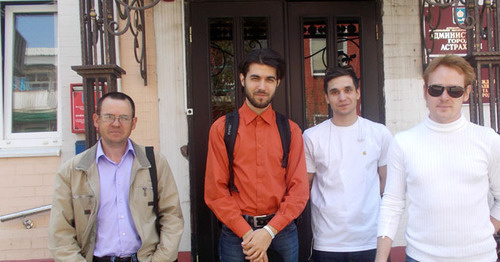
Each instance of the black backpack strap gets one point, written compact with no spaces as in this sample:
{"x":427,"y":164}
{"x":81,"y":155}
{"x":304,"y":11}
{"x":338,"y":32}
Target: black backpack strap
{"x":285,"y":134}
{"x":154,"y":181}
{"x":231,"y":130}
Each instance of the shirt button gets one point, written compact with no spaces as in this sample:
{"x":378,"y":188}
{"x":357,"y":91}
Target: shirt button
{"x":123,"y":234}
{"x":121,"y":217}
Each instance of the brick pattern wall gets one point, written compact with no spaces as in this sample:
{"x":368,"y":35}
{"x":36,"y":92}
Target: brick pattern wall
{"x":26,"y":183}
{"x":405,"y":106}
{"x":145,"y":97}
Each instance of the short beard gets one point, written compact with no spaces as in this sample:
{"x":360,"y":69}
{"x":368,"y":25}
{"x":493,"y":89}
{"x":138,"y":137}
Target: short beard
{"x":255,"y":103}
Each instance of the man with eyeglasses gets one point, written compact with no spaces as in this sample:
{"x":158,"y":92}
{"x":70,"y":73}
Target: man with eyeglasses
{"x":447,"y":167}
{"x":102,"y":208}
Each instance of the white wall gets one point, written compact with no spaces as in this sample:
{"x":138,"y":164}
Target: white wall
{"x":69,"y":55}
{"x":405,"y":106}
{"x":169,"y":32}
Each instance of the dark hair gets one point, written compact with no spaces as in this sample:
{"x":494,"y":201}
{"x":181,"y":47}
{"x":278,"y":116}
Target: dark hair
{"x":453,"y":61}
{"x":118,"y":96}
{"x":338,"y":72}
{"x":264,"y":57}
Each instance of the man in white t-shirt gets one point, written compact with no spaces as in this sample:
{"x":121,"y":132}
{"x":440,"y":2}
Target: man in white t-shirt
{"x":346,"y":163}
{"x":444,"y":167}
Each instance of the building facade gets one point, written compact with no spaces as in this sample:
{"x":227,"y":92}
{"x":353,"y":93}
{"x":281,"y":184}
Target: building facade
{"x":192,"y":49}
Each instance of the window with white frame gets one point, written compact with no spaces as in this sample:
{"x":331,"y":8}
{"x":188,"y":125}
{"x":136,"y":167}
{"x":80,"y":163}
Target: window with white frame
{"x":30,"y":86}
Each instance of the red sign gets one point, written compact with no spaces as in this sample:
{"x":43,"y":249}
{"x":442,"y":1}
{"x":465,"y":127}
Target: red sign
{"x":78,"y":109}
{"x":446,"y":37}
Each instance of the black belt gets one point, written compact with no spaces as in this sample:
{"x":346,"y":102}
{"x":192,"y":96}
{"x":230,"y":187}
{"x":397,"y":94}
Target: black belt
{"x":258,"y":221}
{"x":114,"y":259}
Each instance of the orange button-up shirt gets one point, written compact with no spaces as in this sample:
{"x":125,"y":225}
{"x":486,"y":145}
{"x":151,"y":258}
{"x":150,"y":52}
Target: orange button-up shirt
{"x":264,"y":186}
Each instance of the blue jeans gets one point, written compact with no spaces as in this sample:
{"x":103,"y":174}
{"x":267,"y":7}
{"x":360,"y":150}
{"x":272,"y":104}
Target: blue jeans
{"x":410,"y":259}
{"x":358,"y":256}
{"x":286,"y":244}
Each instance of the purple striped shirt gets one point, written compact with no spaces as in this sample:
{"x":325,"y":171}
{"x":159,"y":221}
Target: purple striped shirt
{"x":116,"y":233}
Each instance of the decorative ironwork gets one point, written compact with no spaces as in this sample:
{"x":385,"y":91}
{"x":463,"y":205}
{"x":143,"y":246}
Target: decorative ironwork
{"x":345,"y":33}
{"x":99,"y":29}
{"x":481,"y":24}
{"x":128,"y":10}
{"x":222,"y":54}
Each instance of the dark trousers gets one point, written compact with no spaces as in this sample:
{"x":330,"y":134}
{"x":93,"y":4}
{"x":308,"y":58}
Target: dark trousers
{"x":410,"y":259}
{"x":358,"y":256}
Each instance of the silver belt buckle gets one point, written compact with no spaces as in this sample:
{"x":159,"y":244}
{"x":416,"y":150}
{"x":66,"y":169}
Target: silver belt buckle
{"x":255,"y":220}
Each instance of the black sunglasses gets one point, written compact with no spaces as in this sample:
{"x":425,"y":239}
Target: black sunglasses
{"x":453,"y":91}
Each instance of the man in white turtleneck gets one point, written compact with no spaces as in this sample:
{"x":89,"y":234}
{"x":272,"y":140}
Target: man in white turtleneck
{"x":446,"y":166}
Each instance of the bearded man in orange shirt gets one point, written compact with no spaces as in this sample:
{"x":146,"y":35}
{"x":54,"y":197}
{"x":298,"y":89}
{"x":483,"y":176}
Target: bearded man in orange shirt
{"x":259,"y":213}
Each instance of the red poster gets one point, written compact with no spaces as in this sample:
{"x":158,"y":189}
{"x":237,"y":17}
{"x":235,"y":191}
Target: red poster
{"x":78,"y":109}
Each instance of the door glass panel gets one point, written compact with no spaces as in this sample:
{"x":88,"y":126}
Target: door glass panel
{"x":315,"y":34}
{"x":348,"y":43}
{"x":348,"y":39}
{"x":254,"y":33}
{"x":315,"y":64}
{"x":222,"y":80}
{"x":223,"y":67}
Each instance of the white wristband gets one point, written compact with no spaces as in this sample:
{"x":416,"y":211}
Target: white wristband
{"x":269,"y":231}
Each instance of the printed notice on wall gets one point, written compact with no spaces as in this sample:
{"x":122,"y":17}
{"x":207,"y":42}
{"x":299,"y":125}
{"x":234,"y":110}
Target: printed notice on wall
{"x":78,"y":107}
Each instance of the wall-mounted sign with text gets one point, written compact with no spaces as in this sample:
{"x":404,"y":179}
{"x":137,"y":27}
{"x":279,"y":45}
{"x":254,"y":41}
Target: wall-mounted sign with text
{"x":443,"y":36}
{"x":78,"y":108}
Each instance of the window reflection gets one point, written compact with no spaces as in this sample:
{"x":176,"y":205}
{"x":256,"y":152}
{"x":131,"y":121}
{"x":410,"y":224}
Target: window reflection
{"x":34,"y":73}
{"x":315,"y":35}
{"x":222,"y":79}
{"x":315,"y":64}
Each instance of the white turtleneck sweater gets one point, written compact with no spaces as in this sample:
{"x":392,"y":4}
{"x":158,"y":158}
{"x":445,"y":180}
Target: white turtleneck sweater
{"x":446,"y":171}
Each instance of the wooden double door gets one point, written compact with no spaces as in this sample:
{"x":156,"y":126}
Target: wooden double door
{"x":312,"y":37}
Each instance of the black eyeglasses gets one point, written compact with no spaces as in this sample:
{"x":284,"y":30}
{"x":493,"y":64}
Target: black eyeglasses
{"x":453,"y":91}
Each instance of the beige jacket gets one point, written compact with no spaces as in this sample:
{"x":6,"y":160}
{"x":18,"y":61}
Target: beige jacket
{"x":72,"y":229}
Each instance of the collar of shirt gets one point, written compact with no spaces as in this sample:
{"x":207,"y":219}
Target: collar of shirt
{"x":248,"y":116}
{"x":100,"y":152}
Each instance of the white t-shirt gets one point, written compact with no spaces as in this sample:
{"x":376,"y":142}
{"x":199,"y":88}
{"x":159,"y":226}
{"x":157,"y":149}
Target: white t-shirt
{"x":345,"y":193}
